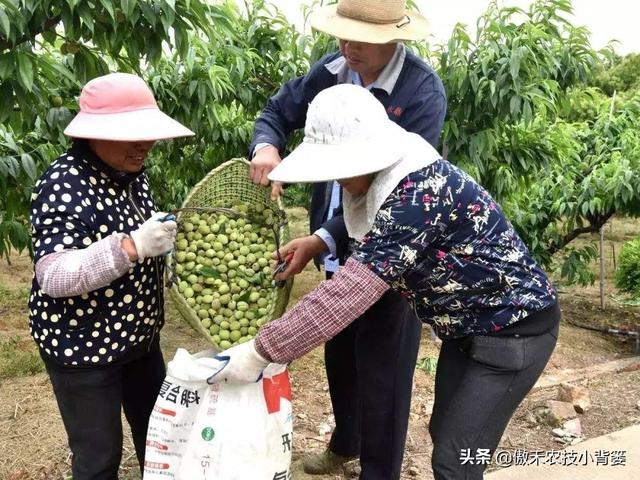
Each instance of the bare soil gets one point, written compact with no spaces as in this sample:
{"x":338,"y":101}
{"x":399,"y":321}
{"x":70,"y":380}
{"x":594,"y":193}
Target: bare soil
{"x":33,"y":442}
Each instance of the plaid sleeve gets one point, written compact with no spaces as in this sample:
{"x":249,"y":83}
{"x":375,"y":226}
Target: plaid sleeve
{"x":321,"y":314}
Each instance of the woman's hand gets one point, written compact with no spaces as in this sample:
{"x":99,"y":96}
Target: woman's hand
{"x":130,"y":248}
{"x":153,"y":238}
{"x":241,"y":364}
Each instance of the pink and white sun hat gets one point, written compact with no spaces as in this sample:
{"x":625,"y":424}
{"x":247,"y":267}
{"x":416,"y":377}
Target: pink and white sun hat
{"x":121,"y":107}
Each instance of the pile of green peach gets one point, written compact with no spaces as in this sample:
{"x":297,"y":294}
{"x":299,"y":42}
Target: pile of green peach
{"x":223,"y":263}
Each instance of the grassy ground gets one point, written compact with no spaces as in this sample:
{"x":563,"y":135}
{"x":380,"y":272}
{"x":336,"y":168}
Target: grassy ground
{"x":33,"y":442}
{"x":617,"y":232}
{"x":17,"y":353}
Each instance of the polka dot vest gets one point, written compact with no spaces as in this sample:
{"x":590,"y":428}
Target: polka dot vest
{"x":77,"y":201}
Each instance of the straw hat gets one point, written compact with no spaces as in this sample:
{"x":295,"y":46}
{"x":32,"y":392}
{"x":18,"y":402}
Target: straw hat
{"x":370,"y":21}
{"x":347,"y":134}
{"x":121,"y":107}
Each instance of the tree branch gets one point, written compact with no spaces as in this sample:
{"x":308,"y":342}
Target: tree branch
{"x":5,"y":44}
{"x":269,"y":82}
{"x":594,"y":226}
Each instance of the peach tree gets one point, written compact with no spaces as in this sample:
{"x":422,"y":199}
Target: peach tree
{"x":210,"y":66}
{"x":525,"y":121}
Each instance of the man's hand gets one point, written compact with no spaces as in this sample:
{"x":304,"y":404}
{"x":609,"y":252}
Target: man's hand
{"x":303,"y":250}
{"x":265,"y":160}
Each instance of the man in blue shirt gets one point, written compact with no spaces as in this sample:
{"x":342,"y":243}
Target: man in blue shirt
{"x":370,"y":364}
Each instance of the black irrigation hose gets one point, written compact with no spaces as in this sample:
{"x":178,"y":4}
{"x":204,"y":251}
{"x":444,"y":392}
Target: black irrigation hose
{"x":614,"y":331}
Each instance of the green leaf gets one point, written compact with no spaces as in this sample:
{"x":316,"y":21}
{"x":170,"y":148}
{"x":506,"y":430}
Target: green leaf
{"x":585,"y":209}
{"x":154,"y":51}
{"x":492,"y":87}
{"x":169,"y":14}
{"x":148,"y":13}
{"x":209,"y":272}
{"x":80,"y":67}
{"x":244,"y":297}
{"x":50,"y":36}
{"x":192,"y":87}
{"x":202,"y":93}
{"x":514,"y":106}
{"x":10,"y":166}
{"x":527,"y":114}
{"x":514,"y":64}
{"x":4,"y":24}
{"x":6,"y":101}
{"x":428,"y":364}
{"x":18,"y":235}
{"x":86,"y":14}
{"x":6,"y":65}
{"x":182,"y":40}
{"x":25,"y":71}
{"x":65,"y":72}
{"x":240,"y":65}
{"x":29,"y":165}
{"x":108,"y":6}
{"x":128,"y":6}
{"x":166,"y":21}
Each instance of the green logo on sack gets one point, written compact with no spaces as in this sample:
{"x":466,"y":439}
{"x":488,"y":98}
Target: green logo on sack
{"x":208,"y":434}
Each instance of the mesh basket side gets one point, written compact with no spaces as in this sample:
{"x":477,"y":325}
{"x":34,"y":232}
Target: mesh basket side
{"x":225,"y":186}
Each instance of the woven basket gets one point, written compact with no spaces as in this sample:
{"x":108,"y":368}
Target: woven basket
{"x":226,"y":185}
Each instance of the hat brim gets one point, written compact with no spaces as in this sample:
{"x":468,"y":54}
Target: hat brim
{"x":313,"y":162}
{"x":138,"y":125}
{"x":326,"y":19}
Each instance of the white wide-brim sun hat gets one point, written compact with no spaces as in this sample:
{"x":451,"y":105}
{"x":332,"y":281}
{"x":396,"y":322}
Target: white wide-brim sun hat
{"x":121,"y":107}
{"x":370,"y":21}
{"x":347,"y":134}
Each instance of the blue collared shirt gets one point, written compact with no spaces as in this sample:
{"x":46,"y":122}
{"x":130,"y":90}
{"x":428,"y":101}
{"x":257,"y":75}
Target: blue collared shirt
{"x":408,"y":88}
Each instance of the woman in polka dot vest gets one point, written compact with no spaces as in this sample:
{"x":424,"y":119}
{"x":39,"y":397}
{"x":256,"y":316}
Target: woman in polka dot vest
{"x":96,"y":304}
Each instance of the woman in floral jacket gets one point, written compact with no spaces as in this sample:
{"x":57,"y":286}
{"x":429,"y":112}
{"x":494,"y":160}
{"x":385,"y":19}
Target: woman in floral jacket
{"x":426,"y":229}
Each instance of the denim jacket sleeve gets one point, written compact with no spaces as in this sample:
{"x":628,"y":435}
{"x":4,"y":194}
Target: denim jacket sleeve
{"x":286,"y":111}
{"x":426,"y":118}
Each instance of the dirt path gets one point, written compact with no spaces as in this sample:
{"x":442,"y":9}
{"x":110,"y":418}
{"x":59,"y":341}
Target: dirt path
{"x":33,"y":443}
{"x":32,"y":437}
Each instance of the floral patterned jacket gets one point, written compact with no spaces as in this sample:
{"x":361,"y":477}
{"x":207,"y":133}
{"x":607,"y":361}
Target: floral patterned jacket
{"x":445,"y":244}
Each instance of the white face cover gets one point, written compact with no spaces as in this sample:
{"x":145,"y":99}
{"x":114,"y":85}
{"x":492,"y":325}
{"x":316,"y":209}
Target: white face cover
{"x":360,"y":212}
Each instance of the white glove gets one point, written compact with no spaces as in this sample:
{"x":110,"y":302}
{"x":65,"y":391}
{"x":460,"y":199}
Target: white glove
{"x":153,"y":237}
{"x":243,"y":365}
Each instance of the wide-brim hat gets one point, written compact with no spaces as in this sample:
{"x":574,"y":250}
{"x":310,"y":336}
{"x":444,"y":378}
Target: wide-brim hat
{"x":347,"y":134}
{"x":370,"y":21}
{"x":121,"y":107}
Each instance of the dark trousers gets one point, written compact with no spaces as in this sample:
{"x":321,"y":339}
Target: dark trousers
{"x":479,"y":383}
{"x":90,"y":402}
{"x":370,"y":368}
